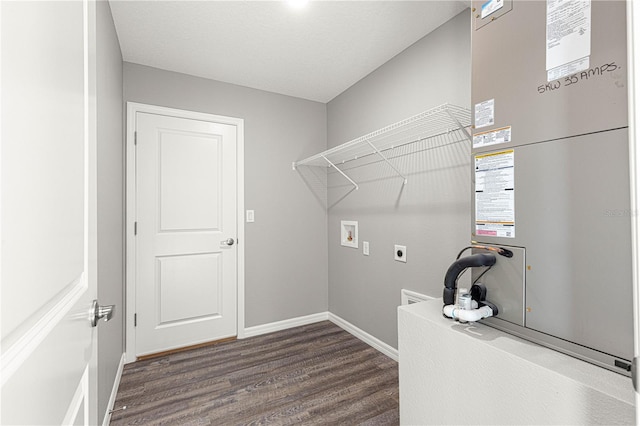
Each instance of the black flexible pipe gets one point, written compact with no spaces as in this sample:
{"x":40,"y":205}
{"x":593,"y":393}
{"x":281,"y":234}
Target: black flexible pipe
{"x":457,"y":267}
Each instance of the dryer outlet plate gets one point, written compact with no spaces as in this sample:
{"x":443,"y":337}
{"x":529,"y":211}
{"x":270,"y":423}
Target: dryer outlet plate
{"x":400,"y":253}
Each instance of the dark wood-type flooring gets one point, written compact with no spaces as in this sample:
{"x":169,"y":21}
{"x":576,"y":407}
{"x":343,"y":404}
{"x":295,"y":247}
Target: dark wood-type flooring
{"x":314,"y":374}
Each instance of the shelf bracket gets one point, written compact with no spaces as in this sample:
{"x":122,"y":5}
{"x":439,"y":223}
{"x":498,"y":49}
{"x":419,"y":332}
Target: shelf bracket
{"x":466,"y":132}
{"x":388,"y":162}
{"x":340,"y":171}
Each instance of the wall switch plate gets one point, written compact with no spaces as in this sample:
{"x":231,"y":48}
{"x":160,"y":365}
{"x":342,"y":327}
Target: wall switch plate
{"x":400,"y":253}
{"x":250,"y":216}
{"x":365,"y":248}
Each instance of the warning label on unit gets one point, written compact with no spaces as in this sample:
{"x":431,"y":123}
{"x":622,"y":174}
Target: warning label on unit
{"x":495,"y":194}
{"x":568,"y":37}
{"x":484,"y":113}
{"x":568,"y":69}
{"x":492,"y":137}
{"x":491,"y":6}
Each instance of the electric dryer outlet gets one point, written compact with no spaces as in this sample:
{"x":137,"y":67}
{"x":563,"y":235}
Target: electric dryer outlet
{"x":400,"y":253}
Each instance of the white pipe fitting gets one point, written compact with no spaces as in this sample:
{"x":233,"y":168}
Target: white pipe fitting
{"x":468,"y":315}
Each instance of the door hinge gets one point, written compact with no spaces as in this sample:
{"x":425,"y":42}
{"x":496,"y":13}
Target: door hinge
{"x":135,"y":320}
{"x":135,"y":228}
{"x":135,"y":138}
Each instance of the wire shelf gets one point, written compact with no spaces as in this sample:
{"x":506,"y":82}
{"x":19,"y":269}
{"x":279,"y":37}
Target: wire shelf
{"x":432,"y":123}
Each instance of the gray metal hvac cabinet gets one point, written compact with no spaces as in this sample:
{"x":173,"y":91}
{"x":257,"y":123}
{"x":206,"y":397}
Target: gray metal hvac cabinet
{"x":569,"y":284}
{"x":509,"y":65}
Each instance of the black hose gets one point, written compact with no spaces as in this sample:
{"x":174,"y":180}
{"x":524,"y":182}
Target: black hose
{"x":457,"y":267}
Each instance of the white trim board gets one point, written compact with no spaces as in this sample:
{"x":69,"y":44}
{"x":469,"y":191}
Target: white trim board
{"x":372,"y":341}
{"x":132,"y":109}
{"x":114,"y":391}
{"x":367,"y":338}
{"x":284,"y":324}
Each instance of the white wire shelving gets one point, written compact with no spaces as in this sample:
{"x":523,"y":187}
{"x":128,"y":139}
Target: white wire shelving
{"x":433,"y":123}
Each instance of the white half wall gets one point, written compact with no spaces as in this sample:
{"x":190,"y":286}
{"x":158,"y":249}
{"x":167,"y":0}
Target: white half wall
{"x":453,"y":373}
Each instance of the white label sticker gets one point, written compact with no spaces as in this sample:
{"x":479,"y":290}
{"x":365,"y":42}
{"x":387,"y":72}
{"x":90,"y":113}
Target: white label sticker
{"x":491,"y":6}
{"x":495,"y":194}
{"x":484,"y":114}
{"x":568,"y":37}
{"x":492,"y":137}
{"x":568,"y":69}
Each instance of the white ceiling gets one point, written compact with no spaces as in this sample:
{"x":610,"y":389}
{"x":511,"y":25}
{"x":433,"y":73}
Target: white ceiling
{"x":313,"y":53}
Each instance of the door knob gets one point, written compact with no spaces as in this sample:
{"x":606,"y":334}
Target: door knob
{"x":98,"y":312}
{"x":228,"y":242}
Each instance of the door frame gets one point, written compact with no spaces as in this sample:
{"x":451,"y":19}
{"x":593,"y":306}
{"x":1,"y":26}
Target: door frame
{"x":633,"y":66}
{"x":132,"y":109}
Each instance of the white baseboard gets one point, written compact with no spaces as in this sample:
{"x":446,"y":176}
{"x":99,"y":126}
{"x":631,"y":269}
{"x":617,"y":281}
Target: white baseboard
{"x":283,"y":325}
{"x":114,"y":391}
{"x":372,"y":341}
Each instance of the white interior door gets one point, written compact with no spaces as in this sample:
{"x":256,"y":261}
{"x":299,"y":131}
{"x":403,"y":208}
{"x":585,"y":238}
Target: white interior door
{"x":186,"y":250}
{"x":48,"y":213}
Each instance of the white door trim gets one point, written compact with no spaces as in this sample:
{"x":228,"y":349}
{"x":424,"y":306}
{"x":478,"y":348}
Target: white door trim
{"x":633,"y":64}
{"x":132,"y":109}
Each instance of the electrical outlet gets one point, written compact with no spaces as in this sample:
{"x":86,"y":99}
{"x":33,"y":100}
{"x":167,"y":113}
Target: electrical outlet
{"x":250,"y":216}
{"x":365,"y":248}
{"x":400,"y":253}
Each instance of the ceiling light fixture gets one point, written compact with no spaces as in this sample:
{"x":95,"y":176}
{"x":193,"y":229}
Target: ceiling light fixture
{"x":297,"y":4}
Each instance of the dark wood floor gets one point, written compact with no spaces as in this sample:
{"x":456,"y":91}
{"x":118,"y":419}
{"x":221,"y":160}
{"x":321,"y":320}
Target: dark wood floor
{"x":314,"y":374}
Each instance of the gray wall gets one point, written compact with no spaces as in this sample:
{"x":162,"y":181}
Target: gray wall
{"x":286,"y":247}
{"x":431,"y":214}
{"x":110,"y":154}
